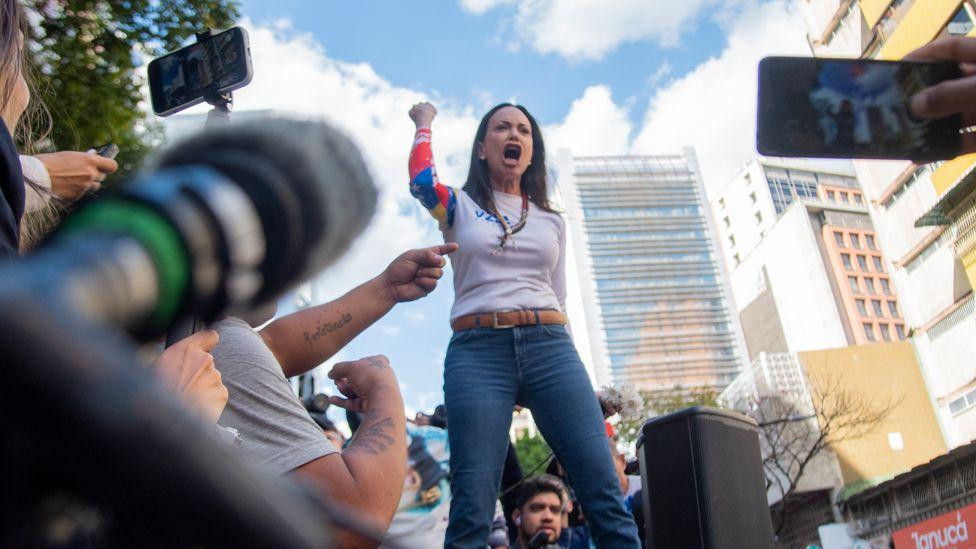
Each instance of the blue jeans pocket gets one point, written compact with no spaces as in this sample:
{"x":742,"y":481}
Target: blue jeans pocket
{"x":555,"y":330}
{"x":464,"y":335}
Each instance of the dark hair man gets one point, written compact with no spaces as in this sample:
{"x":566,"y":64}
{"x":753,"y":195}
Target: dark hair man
{"x":538,"y":513}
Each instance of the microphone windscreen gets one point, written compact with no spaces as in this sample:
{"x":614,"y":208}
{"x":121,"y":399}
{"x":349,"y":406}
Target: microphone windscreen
{"x":307,"y":181}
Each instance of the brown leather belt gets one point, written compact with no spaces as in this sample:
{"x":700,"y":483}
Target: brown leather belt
{"x":508,"y":319}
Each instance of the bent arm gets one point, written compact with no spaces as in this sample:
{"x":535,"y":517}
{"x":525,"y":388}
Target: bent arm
{"x":368,"y":475}
{"x":304,"y":339}
{"x":439,"y":199}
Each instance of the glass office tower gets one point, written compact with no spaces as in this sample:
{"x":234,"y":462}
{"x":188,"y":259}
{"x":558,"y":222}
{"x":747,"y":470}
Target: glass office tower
{"x":653,"y":285}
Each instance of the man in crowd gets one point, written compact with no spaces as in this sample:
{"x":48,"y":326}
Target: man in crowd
{"x":275,"y":429}
{"x":538,"y":513}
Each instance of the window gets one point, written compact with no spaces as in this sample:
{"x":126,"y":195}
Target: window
{"x":752,"y":197}
{"x":869,"y":285}
{"x":845,"y":198}
{"x":758,"y":218}
{"x":885,"y":286}
{"x":832,"y":196}
{"x":878,"y":266}
{"x":858,"y":199}
{"x":893,"y":309}
{"x":869,"y":331}
{"x":855,"y":241}
{"x":964,"y":402}
{"x":901,"y":331}
{"x":727,"y":222}
{"x":870,"y":240}
{"x":737,"y":259}
{"x":863,"y":262}
{"x":748,"y":179}
{"x":960,"y":24}
{"x":878,"y":311}
{"x":846,"y":258}
{"x":958,"y":405}
{"x":732,"y":240}
{"x":839,"y":239}
{"x":721,"y":203}
{"x":885,"y":332}
{"x":852,"y":280}
{"x":861,"y":308}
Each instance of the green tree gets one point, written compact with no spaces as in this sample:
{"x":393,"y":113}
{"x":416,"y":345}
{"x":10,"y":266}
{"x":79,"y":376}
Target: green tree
{"x":89,"y":58}
{"x":636,"y":407}
{"x":532,"y":452}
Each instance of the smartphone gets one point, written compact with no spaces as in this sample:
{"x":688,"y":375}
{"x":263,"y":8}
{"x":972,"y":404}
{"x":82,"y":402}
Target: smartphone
{"x":219,"y":64}
{"x":851,"y":108}
{"x":108,"y":150}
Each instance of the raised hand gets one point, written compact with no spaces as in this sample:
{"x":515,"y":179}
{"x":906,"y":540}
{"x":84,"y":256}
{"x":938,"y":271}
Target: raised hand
{"x":423,"y":114}
{"x":359,"y":380}
{"x":415,"y":273}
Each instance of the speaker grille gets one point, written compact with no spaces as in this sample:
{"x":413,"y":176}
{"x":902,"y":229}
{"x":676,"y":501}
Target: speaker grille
{"x":704,"y":486}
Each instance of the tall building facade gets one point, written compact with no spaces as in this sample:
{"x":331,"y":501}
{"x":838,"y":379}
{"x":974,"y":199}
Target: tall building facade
{"x":923,"y":213}
{"x":653,"y":285}
{"x":806,"y":266}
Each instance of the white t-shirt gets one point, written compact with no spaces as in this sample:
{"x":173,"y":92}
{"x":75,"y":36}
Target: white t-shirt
{"x":529,"y":273}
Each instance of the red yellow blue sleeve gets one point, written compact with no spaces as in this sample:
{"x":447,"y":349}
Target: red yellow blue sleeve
{"x":439,"y":199}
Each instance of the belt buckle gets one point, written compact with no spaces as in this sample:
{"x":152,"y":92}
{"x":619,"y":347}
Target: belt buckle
{"x":496,"y":325}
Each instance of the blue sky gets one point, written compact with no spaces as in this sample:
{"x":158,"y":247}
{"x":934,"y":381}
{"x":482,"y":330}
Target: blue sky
{"x":466,"y":57}
{"x":622,"y":77}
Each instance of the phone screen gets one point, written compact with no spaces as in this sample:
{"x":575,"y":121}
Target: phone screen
{"x":850,"y":108}
{"x":180,"y":79}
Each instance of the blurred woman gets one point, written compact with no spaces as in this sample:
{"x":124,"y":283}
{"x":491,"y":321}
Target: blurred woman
{"x":14,"y":97}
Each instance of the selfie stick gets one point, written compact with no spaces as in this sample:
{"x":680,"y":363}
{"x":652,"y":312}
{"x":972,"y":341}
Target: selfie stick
{"x":218,"y":115}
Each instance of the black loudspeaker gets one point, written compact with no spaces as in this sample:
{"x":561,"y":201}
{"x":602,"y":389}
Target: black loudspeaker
{"x":703,"y":481}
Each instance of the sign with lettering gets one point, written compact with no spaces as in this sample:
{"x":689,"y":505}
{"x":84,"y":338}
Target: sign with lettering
{"x":953,"y":530}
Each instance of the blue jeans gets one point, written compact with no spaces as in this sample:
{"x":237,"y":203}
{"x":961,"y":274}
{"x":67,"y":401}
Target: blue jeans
{"x":488,"y":371}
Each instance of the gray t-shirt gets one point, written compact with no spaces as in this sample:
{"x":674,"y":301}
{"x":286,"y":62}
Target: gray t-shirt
{"x":275,"y":429}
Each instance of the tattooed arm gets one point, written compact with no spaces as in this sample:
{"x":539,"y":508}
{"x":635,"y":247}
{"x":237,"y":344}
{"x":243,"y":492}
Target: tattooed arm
{"x":368,"y":474}
{"x":303,"y":340}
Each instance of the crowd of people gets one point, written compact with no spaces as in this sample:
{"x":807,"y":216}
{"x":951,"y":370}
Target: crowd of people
{"x":447,"y":479}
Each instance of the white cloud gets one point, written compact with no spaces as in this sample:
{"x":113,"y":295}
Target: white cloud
{"x":595,"y":125}
{"x":589,"y":29}
{"x":481,"y":6}
{"x":294,"y":74}
{"x":713,"y":108}
{"x":416,"y":317}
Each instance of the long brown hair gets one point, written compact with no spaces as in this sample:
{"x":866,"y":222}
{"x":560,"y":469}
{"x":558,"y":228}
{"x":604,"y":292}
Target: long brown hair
{"x":11,"y":53}
{"x":533,"y":182}
{"x":14,"y":62}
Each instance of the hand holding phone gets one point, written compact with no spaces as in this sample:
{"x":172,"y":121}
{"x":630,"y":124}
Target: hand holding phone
{"x":950,"y":97}
{"x":852,"y":108}
{"x":74,"y":173}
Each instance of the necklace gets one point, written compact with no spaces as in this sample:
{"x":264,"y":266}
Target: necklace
{"x":509,"y":231}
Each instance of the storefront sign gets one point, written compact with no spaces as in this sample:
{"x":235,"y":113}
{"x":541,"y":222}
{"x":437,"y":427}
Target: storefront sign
{"x":953,"y":530}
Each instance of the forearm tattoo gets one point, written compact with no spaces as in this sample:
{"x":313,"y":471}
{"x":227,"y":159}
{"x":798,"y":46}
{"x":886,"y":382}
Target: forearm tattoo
{"x":374,"y":438}
{"x":323,"y":328}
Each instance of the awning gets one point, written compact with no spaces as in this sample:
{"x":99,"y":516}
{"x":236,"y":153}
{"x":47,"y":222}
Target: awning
{"x":939,"y":214}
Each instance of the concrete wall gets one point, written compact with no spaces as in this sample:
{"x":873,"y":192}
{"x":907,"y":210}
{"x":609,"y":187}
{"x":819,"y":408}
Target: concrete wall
{"x":798,"y":280}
